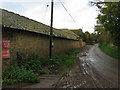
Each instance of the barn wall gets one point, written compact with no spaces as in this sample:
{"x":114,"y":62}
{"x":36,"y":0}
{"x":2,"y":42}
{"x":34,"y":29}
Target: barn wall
{"x":30,"y":42}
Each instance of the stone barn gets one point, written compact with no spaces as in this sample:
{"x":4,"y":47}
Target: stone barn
{"x":31,"y":37}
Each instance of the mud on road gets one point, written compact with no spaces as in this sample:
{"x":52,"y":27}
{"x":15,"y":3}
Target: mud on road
{"x":93,"y":69}
{"x":84,"y":74}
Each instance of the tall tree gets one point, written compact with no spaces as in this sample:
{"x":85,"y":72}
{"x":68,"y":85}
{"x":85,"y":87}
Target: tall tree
{"x":109,"y":17}
{"x":103,"y":36}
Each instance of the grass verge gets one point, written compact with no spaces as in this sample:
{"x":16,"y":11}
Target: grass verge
{"x":110,"y":50}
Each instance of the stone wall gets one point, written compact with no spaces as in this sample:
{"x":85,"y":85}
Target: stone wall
{"x":30,"y":42}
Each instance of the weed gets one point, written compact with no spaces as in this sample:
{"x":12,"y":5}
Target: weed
{"x":27,"y":67}
{"x":9,"y":81}
{"x":18,"y":74}
{"x":43,"y":72}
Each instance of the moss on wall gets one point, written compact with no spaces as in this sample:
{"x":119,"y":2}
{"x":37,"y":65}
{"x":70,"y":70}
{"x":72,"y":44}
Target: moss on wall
{"x":12,"y":20}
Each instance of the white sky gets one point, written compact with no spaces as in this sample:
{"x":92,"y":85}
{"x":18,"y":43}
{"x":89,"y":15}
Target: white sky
{"x":83,"y":14}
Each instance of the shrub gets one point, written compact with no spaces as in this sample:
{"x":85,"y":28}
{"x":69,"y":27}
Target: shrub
{"x":31,"y":63}
{"x":45,"y":61}
{"x":21,"y":59}
{"x":34,"y":65}
{"x":9,"y":81}
{"x":43,"y":72}
{"x":18,"y":74}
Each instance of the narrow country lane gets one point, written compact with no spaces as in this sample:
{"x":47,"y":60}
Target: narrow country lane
{"x":106,"y":65}
{"x":94,"y":69}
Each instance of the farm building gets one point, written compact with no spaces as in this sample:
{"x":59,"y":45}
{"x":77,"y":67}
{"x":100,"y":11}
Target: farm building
{"x":29,"y":36}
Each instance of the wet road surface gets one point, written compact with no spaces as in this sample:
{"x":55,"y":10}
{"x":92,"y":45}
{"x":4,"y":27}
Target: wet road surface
{"x":106,"y":65}
{"x":94,"y":69}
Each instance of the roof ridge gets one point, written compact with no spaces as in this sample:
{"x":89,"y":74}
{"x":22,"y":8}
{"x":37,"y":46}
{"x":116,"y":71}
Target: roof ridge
{"x":17,"y":21}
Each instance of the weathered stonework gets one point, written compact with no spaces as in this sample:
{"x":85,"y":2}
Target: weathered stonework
{"x":30,"y":42}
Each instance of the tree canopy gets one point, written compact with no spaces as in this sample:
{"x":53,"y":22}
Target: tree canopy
{"x":109,"y":17}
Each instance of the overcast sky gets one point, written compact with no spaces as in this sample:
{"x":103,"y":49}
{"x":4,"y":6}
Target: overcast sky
{"x":82,"y":13}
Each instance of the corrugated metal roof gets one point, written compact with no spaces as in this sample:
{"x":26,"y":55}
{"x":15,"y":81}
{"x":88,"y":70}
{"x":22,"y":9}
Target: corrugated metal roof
{"x":12,"y":20}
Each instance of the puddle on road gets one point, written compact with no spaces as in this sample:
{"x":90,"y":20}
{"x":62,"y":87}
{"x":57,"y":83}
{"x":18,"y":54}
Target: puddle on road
{"x":87,"y":59}
{"x":81,"y":59}
{"x":87,"y":64}
{"x":83,"y":64}
{"x":83,"y":54}
{"x":91,"y":59}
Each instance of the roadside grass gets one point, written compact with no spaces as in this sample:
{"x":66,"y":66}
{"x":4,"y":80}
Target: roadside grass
{"x":110,"y":50}
{"x":29,"y":69}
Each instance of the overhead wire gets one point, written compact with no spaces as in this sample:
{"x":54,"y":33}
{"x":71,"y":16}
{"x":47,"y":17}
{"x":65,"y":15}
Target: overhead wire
{"x":68,"y":12}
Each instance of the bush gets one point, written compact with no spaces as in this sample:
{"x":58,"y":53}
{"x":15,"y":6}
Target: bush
{"x":36,"y":64}
{"x":43,"y":72}
{"x":31,"y":63}
{"x":27,"y":67}
{"x":18,"y":74}
{"x":9,"y":81}
{"x":45,"y":61}
{"x":21,"y":60}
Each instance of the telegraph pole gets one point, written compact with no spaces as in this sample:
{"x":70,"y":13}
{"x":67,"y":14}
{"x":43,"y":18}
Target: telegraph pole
{"x":51,"y":29}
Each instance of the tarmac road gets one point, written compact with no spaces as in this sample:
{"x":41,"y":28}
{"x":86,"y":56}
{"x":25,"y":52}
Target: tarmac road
{"x":94,"y":69}
{"x":106,"y":65}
